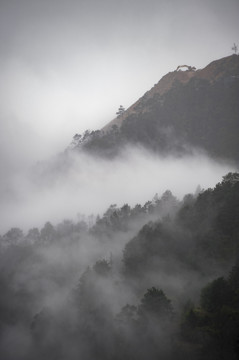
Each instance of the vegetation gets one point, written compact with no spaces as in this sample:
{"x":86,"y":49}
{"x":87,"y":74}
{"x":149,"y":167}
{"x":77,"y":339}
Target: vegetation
{"x":159,"y":280}
{"x":197,"y":114}
{"x":120,"y":111}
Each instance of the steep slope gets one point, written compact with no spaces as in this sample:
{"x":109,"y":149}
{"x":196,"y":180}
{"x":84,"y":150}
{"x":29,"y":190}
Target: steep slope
{"x":184,"y":109}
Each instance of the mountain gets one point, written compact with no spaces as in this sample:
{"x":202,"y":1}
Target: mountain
{"x":184,"y":110}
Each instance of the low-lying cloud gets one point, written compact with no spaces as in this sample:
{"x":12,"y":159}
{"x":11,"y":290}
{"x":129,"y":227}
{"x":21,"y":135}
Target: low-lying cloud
{"x":83,"y":184}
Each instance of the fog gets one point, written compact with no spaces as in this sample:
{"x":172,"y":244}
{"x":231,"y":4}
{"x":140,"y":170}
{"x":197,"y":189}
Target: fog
{"x":66,"y":66}
{"x":70,"y":185}
{"x":77,"y":290}
{"x":75,"y":285}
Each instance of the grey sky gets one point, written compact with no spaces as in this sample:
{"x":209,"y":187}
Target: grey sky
{"x":67,"y":65}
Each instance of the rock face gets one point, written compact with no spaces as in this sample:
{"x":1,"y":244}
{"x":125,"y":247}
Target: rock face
{"x":185,"y":109}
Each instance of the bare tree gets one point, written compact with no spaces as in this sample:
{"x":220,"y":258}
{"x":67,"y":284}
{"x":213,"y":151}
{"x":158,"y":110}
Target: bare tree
{"x":234,"y":48}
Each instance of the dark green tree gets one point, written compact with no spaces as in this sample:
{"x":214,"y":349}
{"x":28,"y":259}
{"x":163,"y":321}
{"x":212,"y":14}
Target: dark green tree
{"x":215,"y":295}
{"x":156,"y":304}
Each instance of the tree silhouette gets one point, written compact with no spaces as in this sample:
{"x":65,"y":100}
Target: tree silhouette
{"x":120,"y":111}
{"x":156,"y":304}
{"x":234,"y":48}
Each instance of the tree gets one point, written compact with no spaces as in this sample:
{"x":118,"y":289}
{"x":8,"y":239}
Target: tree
{"x":102,"y":267}
{"x":120,"y":111}
{"x":215,"y":325}
{"x":233,"y":279}
{"x":231,"y":178}
{"x":215,"y":295}
{"x":234,"y":48}
{"x":155,"y":303}
{"x":155,"y":326}
{"x":48,"y":232}
{"x":33,"y":234}
{"x":65,"y":228}
{"x":13,"y":236}
{"x":127,"y":315}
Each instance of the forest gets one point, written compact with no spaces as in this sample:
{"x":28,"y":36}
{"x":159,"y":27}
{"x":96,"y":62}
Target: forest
{"x":159,"y":280}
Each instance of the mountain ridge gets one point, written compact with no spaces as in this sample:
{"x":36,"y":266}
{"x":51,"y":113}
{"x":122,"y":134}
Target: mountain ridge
{"x":192,"y":108}
{"x":212,"y":72}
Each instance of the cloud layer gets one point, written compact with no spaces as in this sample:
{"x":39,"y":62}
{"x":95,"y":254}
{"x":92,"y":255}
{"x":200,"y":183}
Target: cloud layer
{"x":85,"y":185}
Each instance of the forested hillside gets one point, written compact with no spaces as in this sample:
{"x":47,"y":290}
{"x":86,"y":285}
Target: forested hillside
{"x":158,"y":280}
{"x":183,"y":111}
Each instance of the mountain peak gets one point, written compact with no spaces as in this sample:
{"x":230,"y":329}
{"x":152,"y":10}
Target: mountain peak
{"x":185,"y":109}
{"x":162,"y":87}
{"x":227,"y":66}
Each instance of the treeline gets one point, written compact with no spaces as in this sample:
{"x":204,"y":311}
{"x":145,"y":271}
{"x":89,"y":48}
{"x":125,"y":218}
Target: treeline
{"x":159,"y":280}
{"x":113,"y":220}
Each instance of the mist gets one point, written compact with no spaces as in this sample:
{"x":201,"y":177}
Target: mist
{"x":70,"y":185}
{"x":97,"y":259}
{"x":72,"y":288}
{"x":66,"y":67}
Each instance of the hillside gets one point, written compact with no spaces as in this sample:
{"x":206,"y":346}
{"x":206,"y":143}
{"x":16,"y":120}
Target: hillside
{"x":153,"y":281}
{"x":184,"y":110}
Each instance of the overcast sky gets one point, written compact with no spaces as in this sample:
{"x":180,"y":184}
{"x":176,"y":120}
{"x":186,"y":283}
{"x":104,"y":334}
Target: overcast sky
{"x":66,"y":65}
